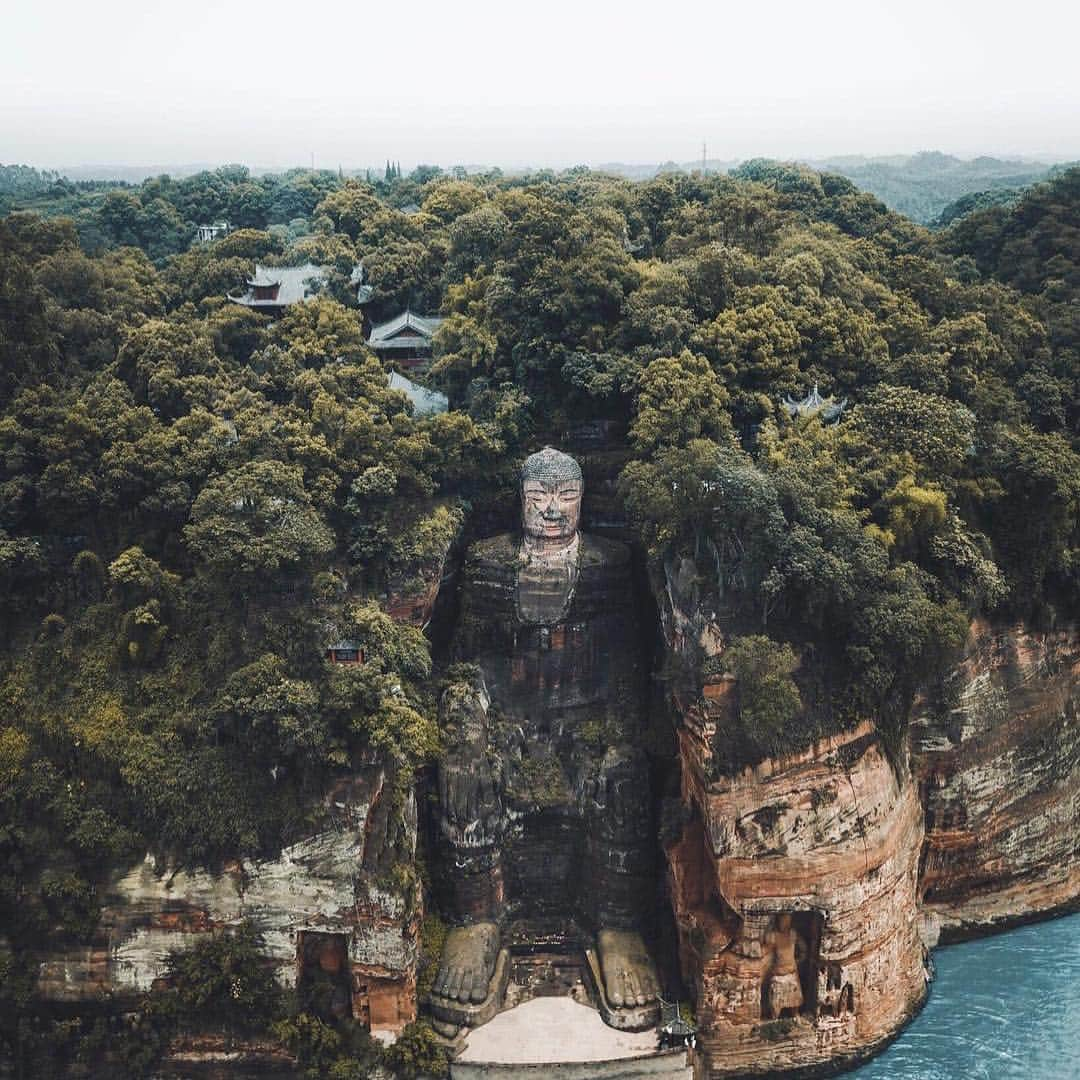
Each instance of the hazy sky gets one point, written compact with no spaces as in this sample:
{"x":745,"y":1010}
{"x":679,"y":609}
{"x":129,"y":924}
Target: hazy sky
{"x":555,"y":82}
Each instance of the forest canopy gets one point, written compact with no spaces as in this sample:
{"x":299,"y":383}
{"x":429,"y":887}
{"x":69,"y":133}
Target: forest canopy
{"x":195,"y":499}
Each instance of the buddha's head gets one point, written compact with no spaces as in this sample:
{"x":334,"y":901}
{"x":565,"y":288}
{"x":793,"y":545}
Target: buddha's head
{"x":551,"y":490}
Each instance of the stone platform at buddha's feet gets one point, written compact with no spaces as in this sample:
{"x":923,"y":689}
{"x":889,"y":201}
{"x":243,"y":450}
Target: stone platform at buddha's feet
{"x":557,"y":1036}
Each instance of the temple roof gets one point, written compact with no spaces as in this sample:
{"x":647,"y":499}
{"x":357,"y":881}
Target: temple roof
{"x":344,"y":645}
{"x":425,"y":402}
{"x":406,"y":331}
{"x":815,"y":405}
{"x":295,"y":284}
{"x":671,"y":1021}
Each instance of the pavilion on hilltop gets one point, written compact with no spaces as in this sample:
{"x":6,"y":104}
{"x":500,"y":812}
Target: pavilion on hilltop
{"x":828,"y":408}
{"x":205,"y":234}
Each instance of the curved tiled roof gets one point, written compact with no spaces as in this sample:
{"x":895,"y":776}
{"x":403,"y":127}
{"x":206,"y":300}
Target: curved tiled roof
{"x":814,"y":405}
{"x":407,"y":330}
{"x":295,"y":284}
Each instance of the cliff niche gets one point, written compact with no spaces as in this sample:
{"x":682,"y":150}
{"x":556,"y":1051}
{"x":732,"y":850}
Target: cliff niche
{"x":335,"y":922}
{"x":545,"y":808}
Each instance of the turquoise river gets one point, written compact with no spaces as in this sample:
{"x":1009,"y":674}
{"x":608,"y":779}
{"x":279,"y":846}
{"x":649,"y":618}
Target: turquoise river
{"x":1003,"y":1008}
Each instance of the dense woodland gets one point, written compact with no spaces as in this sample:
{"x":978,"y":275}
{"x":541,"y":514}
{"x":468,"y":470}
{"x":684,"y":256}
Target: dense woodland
{"x":930,"y":187}
{"x":194,"y":496}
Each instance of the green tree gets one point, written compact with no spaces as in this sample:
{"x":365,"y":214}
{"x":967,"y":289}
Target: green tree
{"x":679,"y":398}
{"x":256,"y":519}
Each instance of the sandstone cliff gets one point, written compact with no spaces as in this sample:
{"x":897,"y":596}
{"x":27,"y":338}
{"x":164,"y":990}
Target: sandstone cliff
{"x":998,"y":766}
{"x":977,"y":829}
{"x":829,"y":839}
{"x":794,"y":882}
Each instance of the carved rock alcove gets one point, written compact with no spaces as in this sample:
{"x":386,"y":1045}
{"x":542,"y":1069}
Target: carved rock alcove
{"x":546,"y":825}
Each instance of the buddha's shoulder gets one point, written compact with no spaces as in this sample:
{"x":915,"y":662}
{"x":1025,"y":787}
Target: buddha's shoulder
{"x":504,"y":549}
{"x":501,"y":550}
{"x":600,"y":551}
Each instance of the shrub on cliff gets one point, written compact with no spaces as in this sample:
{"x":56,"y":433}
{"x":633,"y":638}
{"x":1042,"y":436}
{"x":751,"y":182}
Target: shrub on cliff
{"x":222,"y":981}
{"x":417,"y":1052}
{"x":767,"y":702}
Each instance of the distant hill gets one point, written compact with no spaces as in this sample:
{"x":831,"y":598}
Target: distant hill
{"x":130,"y":174}
{"x":922,"y":186}
{"x":977,"y":200}
{"x":647,"y":172}
{"x":919,"y":186}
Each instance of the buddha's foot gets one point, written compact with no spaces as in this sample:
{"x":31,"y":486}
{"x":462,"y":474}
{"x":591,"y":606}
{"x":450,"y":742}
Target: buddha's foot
{"x":468,"y":961}
{"x":630,"y":978}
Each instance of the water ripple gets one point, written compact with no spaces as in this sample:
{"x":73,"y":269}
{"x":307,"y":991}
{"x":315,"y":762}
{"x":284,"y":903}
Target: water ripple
{"x":1007,"y":1008}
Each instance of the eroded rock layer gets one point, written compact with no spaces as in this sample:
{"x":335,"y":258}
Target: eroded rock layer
{"x":794,"y":885}
{"x":328,"y":908}
{"x":998,"y":766}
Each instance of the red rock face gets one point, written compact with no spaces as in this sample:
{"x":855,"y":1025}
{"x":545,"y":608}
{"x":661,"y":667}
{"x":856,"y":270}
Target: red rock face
{"x":795,"y":894}
{"x":998,"y":766}
{"x":801,"y":886}
{"x":414,"y":605}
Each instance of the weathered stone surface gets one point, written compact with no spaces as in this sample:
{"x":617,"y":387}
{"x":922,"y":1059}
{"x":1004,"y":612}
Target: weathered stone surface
{"x":208,"y":1056}
{"x":998,"y":766}
{"x":830,"y":838}
{"x":412,"y":601}
{"x":545,"y":804}
{"x":326,"y":885}
{"x":793,"y":882}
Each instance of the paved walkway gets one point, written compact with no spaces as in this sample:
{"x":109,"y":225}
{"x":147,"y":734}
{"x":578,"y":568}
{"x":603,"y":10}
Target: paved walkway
{"x":550,"y":1029}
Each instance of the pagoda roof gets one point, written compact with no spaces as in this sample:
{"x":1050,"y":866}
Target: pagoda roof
{"x":815,"y":405}
{"x":405,"y":331}
{"x":294,"y":284}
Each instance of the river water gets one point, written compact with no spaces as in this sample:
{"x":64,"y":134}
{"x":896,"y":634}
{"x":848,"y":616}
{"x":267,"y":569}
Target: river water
{"x":1004,"y":1008}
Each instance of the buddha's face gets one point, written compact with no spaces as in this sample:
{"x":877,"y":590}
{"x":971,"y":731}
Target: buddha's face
{"x":551,"y":510}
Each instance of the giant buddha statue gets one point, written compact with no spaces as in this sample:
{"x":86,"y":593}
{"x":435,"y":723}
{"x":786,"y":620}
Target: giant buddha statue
{"x":545,"y":809}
